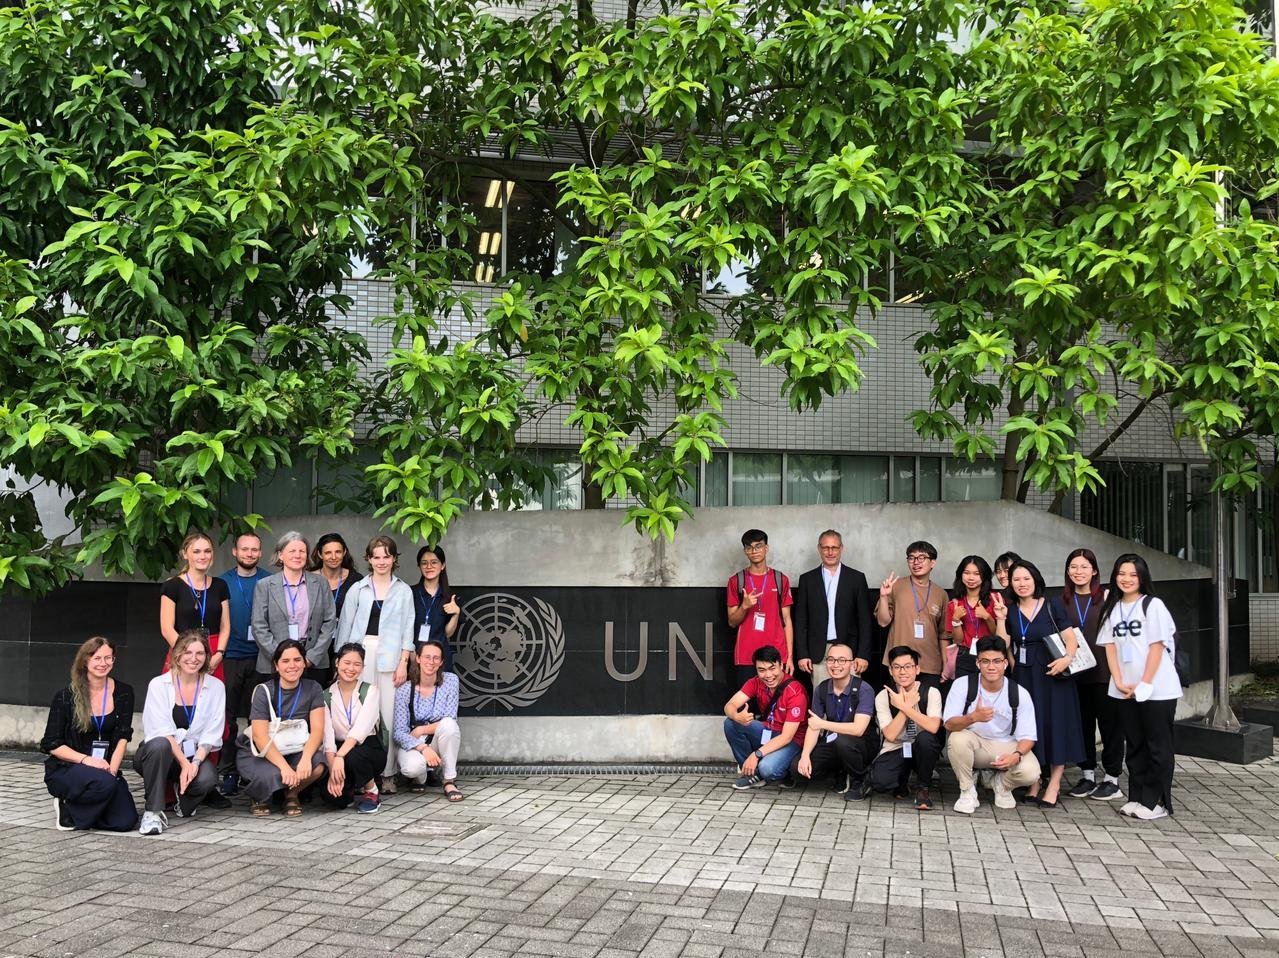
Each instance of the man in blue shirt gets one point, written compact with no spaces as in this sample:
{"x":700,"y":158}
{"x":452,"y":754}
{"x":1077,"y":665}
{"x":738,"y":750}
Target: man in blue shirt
{"x":239,"y":665}
{"x":841,"y":741}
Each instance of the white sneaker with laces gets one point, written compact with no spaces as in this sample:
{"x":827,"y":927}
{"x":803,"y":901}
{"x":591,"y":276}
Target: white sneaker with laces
{"x":967,"y":803}
{"x":1129,"y":808}
{"x":153,"y":823}
{"x":1004,"y":797}
{"x":1150,"y":814}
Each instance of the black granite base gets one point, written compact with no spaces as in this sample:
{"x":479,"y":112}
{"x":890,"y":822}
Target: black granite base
{"x":1260,"y":713}
{"x":1249,"y":743}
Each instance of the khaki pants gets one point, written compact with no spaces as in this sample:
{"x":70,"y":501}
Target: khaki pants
{"x":969,"y":751}
{"x":446,"y":742}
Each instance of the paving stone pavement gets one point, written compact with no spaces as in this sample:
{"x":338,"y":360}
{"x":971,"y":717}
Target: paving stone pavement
{"x":661,"y":865}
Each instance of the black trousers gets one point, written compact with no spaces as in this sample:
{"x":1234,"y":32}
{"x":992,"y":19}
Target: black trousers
{"x":154,"y":761}
{"x":241,"y":677}
{"x":363,"y":762}
{"x":1148,"y":735}
{"x":1097,"y":710}
{"x":891,"y":770}
{"x":848,"y":754}
{"x":93,"y":798}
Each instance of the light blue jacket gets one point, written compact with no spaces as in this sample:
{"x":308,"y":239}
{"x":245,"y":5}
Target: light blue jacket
{"x":395,"y":627}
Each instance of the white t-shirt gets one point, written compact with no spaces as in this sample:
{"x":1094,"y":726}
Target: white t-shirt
{"x":1133,"y":631}
{"x":999,"y":728}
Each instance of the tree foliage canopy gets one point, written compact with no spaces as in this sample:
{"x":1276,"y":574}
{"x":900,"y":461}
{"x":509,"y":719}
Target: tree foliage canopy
{"x":183,"y":187}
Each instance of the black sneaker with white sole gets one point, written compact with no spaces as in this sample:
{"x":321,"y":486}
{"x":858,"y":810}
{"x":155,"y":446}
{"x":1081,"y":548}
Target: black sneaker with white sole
{"x":1083,"y":788}
{"x":1106,"y":792}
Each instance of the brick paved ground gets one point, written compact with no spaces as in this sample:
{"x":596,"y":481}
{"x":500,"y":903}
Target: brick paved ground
{"x":662,"y":865}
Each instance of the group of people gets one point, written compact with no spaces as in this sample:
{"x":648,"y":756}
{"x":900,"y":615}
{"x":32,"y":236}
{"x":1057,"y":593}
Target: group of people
{"x":1012,"y":682}
{"x":342,"y":680}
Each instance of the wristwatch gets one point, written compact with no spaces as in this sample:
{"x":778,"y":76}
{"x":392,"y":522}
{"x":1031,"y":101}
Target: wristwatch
{"x":759,"y":755}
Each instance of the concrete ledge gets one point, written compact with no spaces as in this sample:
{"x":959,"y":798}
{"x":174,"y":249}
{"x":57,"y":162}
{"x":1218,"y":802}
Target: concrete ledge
{"x":1249,"y":743}
{"x":1260,"y":713}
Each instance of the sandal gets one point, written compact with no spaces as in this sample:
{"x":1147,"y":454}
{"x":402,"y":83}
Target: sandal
{"x":260,"y":809}
{"x":417,"y":787}
{"x":292,"y":807}
{"x":452,"y":792}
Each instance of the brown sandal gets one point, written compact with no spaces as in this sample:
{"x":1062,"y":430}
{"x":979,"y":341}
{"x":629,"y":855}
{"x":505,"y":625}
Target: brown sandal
{"x":452,"y":792}
{"x":260,"y":809}
{"x":292,"y":806}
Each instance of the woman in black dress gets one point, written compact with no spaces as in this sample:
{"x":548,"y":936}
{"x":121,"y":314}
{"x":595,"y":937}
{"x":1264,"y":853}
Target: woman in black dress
{"x":196,"y":599}
{"x":89,"y":724}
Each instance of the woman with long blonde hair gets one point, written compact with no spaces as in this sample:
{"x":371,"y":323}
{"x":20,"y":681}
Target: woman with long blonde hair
{"x":197,"y":599}
{"x":90,"y":722}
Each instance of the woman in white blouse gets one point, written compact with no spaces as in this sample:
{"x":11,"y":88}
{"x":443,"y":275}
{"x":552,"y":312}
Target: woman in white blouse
{"x":182,"y":723}
{"x":354,"y":738}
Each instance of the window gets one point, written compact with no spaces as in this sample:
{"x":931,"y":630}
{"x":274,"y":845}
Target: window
{"x":757,"y":479}
{"x":715,"y":483}
{"x":285,"y":492}
{"x":517,"y":229}
{"x":964,"y":481}
{"x":814,"y":479}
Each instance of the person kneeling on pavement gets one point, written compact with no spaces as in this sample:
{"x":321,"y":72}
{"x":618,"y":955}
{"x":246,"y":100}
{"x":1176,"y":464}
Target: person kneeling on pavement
{"x":991,"y":721}
{"x":909,"y":717}
{"x":182,"y":723}
{"x":841,"y":741}
{"x":354,"y":739}
{"x":765,"y":722}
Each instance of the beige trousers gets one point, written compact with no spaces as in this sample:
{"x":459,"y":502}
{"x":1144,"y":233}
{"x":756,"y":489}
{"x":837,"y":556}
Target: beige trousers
{"x":447,"y":742}
{"x":969,"y":751}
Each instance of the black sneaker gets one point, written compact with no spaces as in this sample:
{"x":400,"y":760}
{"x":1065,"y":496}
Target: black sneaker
{"x":857,"y":791}
{"x":1106,"y":791}
{"x":1083,"y":788}
{"x":230,"y":784}
{"x":64,"y":822}
{"x":216,"y":799}
{"x":841,"y":783}
{"x":787,"y":782}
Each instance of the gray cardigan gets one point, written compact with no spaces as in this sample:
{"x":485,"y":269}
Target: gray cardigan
{"x":271,"y":619}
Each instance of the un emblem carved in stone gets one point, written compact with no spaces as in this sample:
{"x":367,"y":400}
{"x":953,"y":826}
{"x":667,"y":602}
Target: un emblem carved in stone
{"x":509,"y":650}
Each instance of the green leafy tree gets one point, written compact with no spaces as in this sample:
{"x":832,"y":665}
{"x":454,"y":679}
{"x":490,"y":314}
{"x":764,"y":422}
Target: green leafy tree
{"x":1107,"y":259}
{"x":177,"y":214}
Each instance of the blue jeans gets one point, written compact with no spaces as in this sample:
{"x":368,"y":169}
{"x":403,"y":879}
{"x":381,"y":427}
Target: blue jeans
{"x":744,"y":739}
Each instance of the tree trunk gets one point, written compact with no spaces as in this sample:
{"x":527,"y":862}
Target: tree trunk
{"x":592,"y":494}
{"x":1011,"y":484}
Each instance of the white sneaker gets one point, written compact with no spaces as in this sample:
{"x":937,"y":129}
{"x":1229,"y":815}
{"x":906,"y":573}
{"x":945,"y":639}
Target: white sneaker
{"x":1150,"y":814}
{"x":1004,"y":797}
{"x":1129,"y":808}
{"x":967,"y":803}
{"x":153,"y":823}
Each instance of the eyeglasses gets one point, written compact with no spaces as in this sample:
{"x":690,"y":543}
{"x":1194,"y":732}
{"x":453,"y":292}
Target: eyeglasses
{"x":432,"y":658}
{"x":831,"y":660}
{"x":918,"y":557}
{"x":428,"y":563}
{"x":902,"y":667}
{"x":990,"y":662}
{"x":757,"y":547}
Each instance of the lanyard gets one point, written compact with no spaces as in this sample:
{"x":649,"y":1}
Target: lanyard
{"x":431,"y":710}
{"x":201,"y":599}
{"x":971,"y":615}
{"x":279,"y":700}
{"x":349,"y":709}
{"x":190,"y":710}
{"x":763,"y":581}
{"x":291,"y":592}
{"x":1023,"y":624}
{"x":1132,"y":609}
{"x":341,"y":582}
{"x":915,"y":595}
{"x":239,"y":584}
{"x":426,"y":607}
{"x":1087,"y":608}
{"x":100,"y":721}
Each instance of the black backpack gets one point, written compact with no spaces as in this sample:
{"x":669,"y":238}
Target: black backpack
{"x":777,"y":584}
{"x":1014,"y":697}
{"x":1180,"y":657}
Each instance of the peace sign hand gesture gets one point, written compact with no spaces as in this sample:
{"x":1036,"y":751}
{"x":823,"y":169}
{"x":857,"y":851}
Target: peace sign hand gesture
{"x":886,"y":587}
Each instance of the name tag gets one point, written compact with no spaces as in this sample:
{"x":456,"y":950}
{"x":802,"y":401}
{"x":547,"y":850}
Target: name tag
{"x":765,"y":736}
{"x":295,"y":632}
{"x":830,"y":736}
{"x":423,"y":632}
{"x":188,"y":747}
{"x":1021,"y":655}
{"x":759,"y":621}
{"x":1127,"y":654}
{"x":249,"y":633}
{"x":99,"y":749}
{"x":919,"y":630}
{"x":907,"y":750}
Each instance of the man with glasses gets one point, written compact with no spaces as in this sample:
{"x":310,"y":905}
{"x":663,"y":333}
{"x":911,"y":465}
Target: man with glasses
{"x":759,"y":601}
{"x":909,"y":718}
{"x":913,"y":609}
{"x":841,"y":740}
{"x":832,"y":604}
{"x":991,"y":721}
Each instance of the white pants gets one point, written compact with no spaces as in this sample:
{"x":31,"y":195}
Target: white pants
{"x":385,"y":684}
{"x":447,"y":741}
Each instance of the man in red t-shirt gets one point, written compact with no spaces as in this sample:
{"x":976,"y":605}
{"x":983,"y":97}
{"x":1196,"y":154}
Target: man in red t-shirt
{"x":759,"y":602}
{"x":765,"y":722}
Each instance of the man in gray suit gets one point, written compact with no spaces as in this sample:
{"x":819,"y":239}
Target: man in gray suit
{"x":294,"y":604}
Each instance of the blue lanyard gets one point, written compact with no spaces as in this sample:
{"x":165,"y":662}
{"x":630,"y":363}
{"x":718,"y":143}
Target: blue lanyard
{"x":971,"y":615}
{"x":291,"y":592}
{"x":190,"y":710}
{"x":349,"y":709}
{"x":1087,"y":608}
{"x":426,"y":609}
{"x":1124,"y":618}
{"x":279,"y":700}
{"x":1023,"y":624}
{"x":915,"y":595}
{"x":201,"y":599}
{"x":100,"y":721}
{"x":346,"y":577}
{"x":239,"y":584}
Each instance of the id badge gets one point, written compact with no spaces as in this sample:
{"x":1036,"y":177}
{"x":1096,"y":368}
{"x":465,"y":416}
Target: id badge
{"x":295,"y":632}
{"x":1021,"y":655}
{"x":249,"y":634}
{"x":1127,"y":654}
{"x":759,"y":621}
{"x":830,"y":736}
{"x":907,"y":750}
{"x":423,"y":633}
{"x":765,"y":736}
{"x":99,"y":749}
{"x":188,"y":748}
{"x":919,"y":630}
